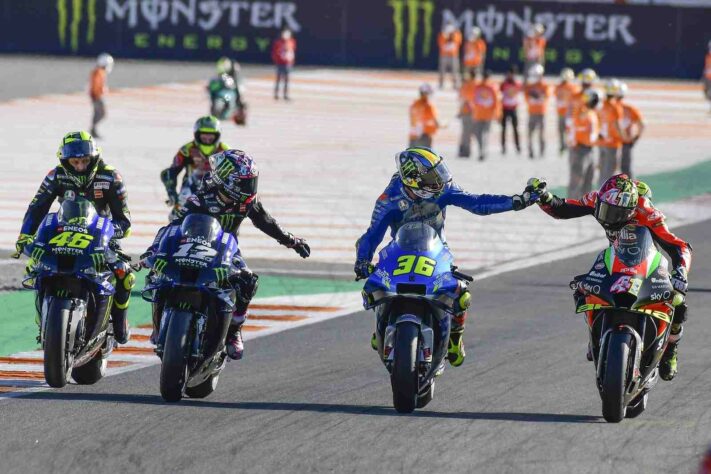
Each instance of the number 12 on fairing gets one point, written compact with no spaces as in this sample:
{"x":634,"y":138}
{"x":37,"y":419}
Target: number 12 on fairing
{"x":200,"y":252}
{"x":422,"y":265}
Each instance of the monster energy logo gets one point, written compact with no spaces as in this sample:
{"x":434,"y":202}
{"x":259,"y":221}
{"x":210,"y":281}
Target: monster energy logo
{"x":98,"y":260}
{"x":62,"y":293}
{"x":227,"y":221}
{"x":159,"y":266}
{"x":73,"y":26}
{"x":37,"y":254}
{"x":221,"y":275}
{"x":409,"y":169}
{"x":408,"y":11}
{"x":224,"y":170}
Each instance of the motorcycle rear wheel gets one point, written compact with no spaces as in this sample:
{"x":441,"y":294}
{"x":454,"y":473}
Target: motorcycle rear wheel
{"x":174,"y":366}
{"x":56,"y":359}
{"x":615,"y":377}
{"x":404,"y":373}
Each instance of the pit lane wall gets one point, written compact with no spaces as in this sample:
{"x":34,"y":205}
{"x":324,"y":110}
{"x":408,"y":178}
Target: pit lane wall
{"x":642,"y":41}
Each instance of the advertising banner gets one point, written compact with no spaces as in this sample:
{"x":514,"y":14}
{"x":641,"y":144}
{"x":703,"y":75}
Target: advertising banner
{"x":613,"y":39}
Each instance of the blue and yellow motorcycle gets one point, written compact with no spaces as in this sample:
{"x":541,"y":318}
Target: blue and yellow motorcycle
{"x":413,"y":290}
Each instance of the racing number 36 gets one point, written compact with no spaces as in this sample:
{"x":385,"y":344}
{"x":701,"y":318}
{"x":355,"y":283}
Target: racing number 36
{"x":75,"y":240}
{"x":422,"y":265}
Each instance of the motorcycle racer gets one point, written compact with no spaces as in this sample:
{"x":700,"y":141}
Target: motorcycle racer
{"x":619,"y":202}
{"x":420,"y":192}
{"x":230,"y":195}
{"x":193,"y":158}
{"x":82,"y":173}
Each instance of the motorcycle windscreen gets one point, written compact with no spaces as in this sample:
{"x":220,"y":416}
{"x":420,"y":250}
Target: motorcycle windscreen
{"x":633,"y":245}
{"x":416,"y":237}
{"x":201,"y":226}
{"x":77,"y":212}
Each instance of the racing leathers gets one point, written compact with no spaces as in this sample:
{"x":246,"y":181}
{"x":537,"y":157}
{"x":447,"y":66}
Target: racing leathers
{"x":396,"y":207}
{"x":195,"y":164}
{"x":230,"y":215}
{"x":645,"y":215}
{"x":108,"y":194}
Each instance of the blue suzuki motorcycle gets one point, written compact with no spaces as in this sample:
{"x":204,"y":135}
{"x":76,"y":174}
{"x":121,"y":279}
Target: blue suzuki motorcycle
{"x":69,"y":268}
{"x":191,"y":277}
{"x":413,"y":290}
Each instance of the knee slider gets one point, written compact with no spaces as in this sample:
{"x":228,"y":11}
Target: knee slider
{"x":129,"y":282}
{"x":680,"y":314}
{"x":463,"y":302}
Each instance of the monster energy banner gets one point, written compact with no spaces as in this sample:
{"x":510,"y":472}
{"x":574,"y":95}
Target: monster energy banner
{"x":614,"y":39}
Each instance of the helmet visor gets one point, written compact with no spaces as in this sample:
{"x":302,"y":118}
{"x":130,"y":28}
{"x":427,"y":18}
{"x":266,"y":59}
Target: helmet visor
{"x":613,"y":215}
{"x":201,"y":226}
{"x":78,"y":149}
{"x":436,"y":178}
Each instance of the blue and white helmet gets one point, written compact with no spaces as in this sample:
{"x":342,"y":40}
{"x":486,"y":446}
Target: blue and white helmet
{"x":235,"y":174}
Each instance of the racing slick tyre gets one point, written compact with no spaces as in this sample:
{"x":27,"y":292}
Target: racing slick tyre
{"x":404,"y":373}
{"x":57,"y":364}
{"x":615,"y":377}
{"x":174,"y":367}
{"x":637,"y":406}
{"x":92,"y":371}
{"x":204,"y":389}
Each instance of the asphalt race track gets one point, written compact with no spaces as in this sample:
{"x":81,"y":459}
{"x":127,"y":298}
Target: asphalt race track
{"x":316,"y":399}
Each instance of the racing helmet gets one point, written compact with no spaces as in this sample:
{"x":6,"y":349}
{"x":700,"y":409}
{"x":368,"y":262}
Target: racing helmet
{"x":587,"y":77}
{"x":79,"y":145}
{"x":426,"y":89}
{"x":567,"y":74}
{"x":106,"y":61}
{"x":475,"y":33}
{"x":622,"y":92}
{"x":78,"y":211}
{"x":207,"y":125}
{"x":616,"y":202}
{"x":422,"y":171}
{"x":224,"y":65}
{"x":235,"y":174}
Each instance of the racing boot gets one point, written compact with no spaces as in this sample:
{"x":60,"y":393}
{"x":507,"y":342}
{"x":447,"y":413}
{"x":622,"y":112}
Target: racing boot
{"x":455,"y":351}
{"x":234,"y":344}
{"x":668,"y":366}
{"x":125,"y":281}
{"x":122,"y":334}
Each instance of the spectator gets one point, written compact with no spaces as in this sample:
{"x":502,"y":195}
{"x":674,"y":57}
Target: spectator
{"x":583,"y":130}
{"x":474,"y":53}
{"x":283,"y":56}
{"x":564,"y":93}
{"x":466,"y":109}
{"x":450,"y":41}
{"x":633,"y":127}
{"x":485,"y":110}
{"x":98,"y":89}
{"x":534,"y":47}
{"x":537,"y":93}
{"x":611,"y":133}
{"x":510,"y":93}
{"x":423,"y":119}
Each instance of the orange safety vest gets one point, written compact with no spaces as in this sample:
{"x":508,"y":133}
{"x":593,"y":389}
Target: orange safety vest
{"x":534,"y":48}
{"x":707,"y":69}
{"x":610,"y":114}
{"x":631,"y":119}
{"x":584,"y":128}
{"x":537,"y":97}
{"x":466,"y":96}
{"x":486,"y":102}
{"x":423,"y":118}
{"x":449,"y":46}
{"x":97,"y":83}
{"x":564,"y":93}
{"x":474,"y":52}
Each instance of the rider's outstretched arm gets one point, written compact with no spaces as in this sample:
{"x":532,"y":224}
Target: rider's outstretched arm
{"x":266,"y":223}
{"x":484,"y":204}
{"x":568,"y":208}
{"x":383,"y":215}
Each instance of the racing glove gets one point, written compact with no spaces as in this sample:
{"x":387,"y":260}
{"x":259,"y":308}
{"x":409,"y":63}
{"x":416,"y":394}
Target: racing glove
{"x":22,"y":241}
{"x":172,"y":200}
{"x":679,"y":281}
{"x":362,"y":269}
{"x":299,"y":245}
{"x":540,"y":187}
{"x":523,"y":200}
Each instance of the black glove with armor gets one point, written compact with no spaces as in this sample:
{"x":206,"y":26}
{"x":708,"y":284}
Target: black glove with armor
{"x":362,"y":269}
{"x":679,"y":280}
{"x":299,"y":245}
{"x":540,"y":187}
{"x":525,"y":199}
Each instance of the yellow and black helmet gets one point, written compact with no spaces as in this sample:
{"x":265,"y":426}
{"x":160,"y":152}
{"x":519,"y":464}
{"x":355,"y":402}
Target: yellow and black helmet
{"x":79,"y":145}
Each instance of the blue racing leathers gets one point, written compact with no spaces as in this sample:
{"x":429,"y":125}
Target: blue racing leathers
{"x":394,"y":208}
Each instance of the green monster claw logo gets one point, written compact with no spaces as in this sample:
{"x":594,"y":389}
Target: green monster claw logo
{"x":413,"y":8}
{"x":37,"y":254}
{"x":224,"y":170}
{"x":159,"y":266}
{"x":227,"y":220}
{"x":73,"y":27}
{"x":221,"y":275}
{"x":98,"y":260}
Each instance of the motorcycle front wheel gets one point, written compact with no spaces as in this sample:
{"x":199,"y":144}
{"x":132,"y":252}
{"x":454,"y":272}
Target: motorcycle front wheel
{"x":615,"y":377}
{"x":403,"y":378}
{"x":174,"y":366}
{"x":56,"y":358}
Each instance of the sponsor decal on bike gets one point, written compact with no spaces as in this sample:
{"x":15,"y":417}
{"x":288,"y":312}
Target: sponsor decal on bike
{"x":403,"y":205}
{"x":384,"y":277}
{"x":626,"y":284}
{"x":597,"y":274}
{"x":601,"y":265}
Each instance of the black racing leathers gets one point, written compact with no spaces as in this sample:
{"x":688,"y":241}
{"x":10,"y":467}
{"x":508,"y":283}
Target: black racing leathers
{"x":108,"y":194}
